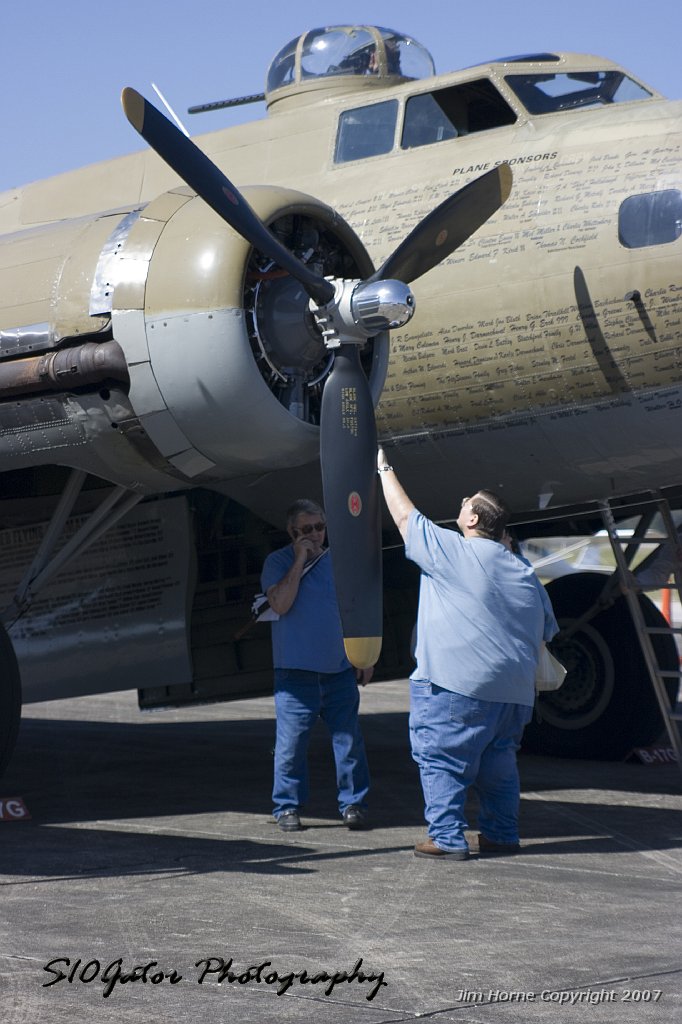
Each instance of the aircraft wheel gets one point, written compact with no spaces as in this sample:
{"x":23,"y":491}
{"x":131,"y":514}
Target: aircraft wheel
{"x":607,"y":704}
{"x":10,"y":699}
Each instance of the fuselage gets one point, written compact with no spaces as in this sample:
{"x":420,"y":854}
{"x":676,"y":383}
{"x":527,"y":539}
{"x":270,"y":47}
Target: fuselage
{"x":545,"y":356}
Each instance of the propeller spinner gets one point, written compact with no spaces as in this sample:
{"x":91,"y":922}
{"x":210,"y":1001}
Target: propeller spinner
{"x":347,"y":313}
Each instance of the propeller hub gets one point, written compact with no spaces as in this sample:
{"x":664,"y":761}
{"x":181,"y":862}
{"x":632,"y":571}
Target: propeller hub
{"x":362,"y":309}
{"x":382,"y":305}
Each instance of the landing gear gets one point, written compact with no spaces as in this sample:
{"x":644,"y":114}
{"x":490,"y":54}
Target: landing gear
{"x":10,"y":699}
{"x":607,"y":704}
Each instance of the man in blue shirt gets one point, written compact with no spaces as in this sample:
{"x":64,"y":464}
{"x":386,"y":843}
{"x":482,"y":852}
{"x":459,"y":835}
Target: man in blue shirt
{"x":313,"y":677}
{"x":483,"y":615}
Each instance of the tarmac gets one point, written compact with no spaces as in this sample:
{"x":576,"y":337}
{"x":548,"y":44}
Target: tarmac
{"x":150,"y":883}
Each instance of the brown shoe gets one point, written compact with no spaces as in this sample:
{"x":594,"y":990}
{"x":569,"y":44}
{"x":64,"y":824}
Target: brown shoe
{"x":429,"y":849}
{"x":489,"y":848}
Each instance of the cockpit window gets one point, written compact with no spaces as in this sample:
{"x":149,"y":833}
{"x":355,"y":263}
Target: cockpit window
{"x":459,"y":110}
{"x":653,"y":218}
{"x":549,"y":93}
{"x":366,"y":131}
{"x":429,"y":117}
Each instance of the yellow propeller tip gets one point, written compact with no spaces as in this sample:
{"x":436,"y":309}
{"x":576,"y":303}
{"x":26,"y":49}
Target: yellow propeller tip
{"x":362,"y":651}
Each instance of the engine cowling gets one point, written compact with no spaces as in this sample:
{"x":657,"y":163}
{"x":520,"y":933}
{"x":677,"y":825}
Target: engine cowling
{"x":155,"y":348}
{"x":226,"y":364}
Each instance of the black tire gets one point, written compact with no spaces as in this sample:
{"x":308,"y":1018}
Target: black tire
{"x":606,"y":705}
{"x":10,"y":699}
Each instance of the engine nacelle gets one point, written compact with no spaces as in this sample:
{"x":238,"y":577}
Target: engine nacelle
{"x":224,"y":357}
{"x":223,"y":365}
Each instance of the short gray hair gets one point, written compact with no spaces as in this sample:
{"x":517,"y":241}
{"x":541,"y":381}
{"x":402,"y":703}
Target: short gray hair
{"x":303,"y":507}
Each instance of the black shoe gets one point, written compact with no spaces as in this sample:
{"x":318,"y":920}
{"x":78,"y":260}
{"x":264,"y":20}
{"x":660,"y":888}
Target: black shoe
{"x":489,"y":848}
{"x":289,"y":820}
{"x":354,"y":817}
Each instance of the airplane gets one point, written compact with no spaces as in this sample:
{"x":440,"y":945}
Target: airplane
{"x":479,"y":269}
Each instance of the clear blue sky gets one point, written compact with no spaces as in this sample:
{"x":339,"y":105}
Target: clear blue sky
{"x":64,"y":63}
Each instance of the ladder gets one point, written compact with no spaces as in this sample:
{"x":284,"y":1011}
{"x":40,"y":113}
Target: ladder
{"x":623,"y":549}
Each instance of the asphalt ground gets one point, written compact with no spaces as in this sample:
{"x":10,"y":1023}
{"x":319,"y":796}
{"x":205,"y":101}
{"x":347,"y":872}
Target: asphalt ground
{"x":150,"y":869}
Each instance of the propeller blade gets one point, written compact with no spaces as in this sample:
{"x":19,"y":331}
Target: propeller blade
{"x":447,"y":227}
{"x":351,"y":502}
{"x":202,"y":175}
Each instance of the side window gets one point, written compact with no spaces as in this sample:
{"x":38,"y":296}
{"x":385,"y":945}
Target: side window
{"x":426,"y":122}
{"x":653,"y":218}
{"x":459,"y":110}
{"x":366,"y":131}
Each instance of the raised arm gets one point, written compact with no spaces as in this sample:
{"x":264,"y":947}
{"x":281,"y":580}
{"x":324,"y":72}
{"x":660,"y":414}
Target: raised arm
{"x":397,"y":501}
{"x":282,"y":594}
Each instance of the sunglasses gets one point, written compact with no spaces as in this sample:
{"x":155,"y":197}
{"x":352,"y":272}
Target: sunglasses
{"x":309,"y":527}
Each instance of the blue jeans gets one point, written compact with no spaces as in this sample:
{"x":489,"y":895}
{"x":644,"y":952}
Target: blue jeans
{"x":300,"y":699}
{"x":458,"y":742}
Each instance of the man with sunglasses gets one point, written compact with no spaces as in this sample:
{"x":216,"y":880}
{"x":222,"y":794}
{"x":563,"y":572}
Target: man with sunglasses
{"x":483,"y":615}
{"x":313,"y":677}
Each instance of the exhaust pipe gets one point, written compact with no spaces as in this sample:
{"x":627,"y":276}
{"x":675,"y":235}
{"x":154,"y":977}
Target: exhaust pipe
{"x":64,"y":370}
